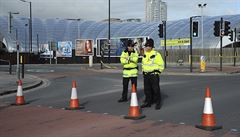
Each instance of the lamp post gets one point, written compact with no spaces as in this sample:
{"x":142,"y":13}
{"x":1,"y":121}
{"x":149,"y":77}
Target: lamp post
{"x":10,"y":20}
{"x":202,"y":6}
{"x":26,"y":37}
{"x":30,"y":24}
{"x":17,"y":44}
{"x":78,"y":20}
{"x":202,"y":58}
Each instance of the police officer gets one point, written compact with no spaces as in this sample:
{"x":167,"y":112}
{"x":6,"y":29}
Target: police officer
{"x":129,"y":60}
{"x":152,"y":66}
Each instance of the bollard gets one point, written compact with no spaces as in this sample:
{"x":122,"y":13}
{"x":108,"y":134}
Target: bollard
{"x":22,"y":62}
{"x":202,"y":63}
{"x":10,"y":67}
{"x":90,"y":61}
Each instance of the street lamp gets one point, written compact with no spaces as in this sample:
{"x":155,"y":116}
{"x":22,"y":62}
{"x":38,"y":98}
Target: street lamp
{"x":78,"y":20}
{"x":10,"y":20}
{"x":30,"y":24}
{"x":17,"y":44}
{"x":26,"y":37}
{"x":202,"y":6}
{"x":202,"y":58}
{"x":26,"y":24}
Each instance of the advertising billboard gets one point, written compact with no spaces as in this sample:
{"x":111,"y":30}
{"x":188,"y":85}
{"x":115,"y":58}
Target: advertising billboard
{"x":64,"y":49}
{"x":84,"y":47}
{"x":176,"y":42}
{"x":45,"y":51}
{"x":119,"y":44}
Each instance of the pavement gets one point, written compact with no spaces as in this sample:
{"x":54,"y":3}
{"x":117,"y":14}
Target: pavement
{"x":9,"y":83}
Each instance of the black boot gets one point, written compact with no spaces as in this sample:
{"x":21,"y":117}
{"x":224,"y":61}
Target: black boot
{"x":145,"y":105}
{"x":158,"y":106}
{"x":122,"y":100}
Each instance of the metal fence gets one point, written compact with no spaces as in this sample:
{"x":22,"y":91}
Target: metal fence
{"x":212,"y":55}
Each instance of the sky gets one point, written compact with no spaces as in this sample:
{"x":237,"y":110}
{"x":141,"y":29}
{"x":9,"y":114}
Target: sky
{"x":98,"y":9}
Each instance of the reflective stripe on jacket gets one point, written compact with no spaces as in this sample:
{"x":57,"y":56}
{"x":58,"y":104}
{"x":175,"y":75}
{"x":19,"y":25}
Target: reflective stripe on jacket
{"x":152,"y":62}
{"x":129,"y":64}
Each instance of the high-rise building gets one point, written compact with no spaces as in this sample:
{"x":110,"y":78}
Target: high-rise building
{"x":155,"y":11}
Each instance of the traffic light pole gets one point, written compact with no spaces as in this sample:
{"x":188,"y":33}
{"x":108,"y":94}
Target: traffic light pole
{"x":221,"y":36}
{"x":165,"y":43}
{"x":234,"y":50}
{"x":190,"y":45}
{"x":109,"y":30}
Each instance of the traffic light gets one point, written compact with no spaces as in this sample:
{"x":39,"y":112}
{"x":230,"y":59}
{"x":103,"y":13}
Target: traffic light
{"x":238,"y":34}
{"x":226,"y":27}
{"x":195,"y":29}
{"x":217,"y":28}
{"x":231,"y":35}
{"x":160,"y":30}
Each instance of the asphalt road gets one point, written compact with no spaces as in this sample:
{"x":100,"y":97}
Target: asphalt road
{"x":183,"y":95}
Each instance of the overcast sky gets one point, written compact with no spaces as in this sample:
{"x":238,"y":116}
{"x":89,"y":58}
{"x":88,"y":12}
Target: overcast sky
{"x":98,"y":9}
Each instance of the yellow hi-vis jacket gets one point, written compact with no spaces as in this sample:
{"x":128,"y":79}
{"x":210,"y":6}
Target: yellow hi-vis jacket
{"x":130,"y":67}
{"x":152,"y":62}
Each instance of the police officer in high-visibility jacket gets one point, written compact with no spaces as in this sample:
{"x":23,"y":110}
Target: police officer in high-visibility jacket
{"x":152,"y":66}
{"x":129,"y":60}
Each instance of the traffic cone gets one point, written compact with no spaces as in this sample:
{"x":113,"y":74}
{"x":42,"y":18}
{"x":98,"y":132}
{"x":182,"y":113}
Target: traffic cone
{"x":134,"y":110}
{"x":74,"y":102}
{"x":208,"y":118}
{"x":19,"y":97}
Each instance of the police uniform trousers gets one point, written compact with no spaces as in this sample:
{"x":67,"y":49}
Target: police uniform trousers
{"x":152,"y":89}
{"x":125,"y":85}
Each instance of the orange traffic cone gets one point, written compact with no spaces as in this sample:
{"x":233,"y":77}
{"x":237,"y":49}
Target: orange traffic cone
{"x":134,"y":110}
{"x":208,"y":118}
{"x":74,"y":102}
{"x":20,"y":98}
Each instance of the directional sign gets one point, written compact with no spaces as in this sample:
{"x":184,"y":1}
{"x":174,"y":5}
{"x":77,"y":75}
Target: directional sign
{"x":177,"y":42}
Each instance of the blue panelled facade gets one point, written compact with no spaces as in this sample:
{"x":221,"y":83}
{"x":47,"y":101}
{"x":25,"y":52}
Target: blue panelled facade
{"x":69,"y":30}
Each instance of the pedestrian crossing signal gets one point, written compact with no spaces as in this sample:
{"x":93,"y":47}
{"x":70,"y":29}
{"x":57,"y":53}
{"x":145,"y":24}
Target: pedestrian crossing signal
{"x":217,"y":28}
{"x":231,"y":35}
{"x":160,"y":30}
{"x":195,"y":29}
{"x":227,"y":27}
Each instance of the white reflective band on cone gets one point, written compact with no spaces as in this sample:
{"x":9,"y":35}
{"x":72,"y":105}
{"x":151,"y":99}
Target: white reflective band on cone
{"x":19,"y":91}
{"x":134,"y":102}
{"x":208,"y":106}
{"x":74,"y":93}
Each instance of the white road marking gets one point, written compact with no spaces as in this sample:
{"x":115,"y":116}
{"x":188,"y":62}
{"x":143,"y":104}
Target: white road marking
{"x":234,"y":130}
{"x":119,"y":90}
